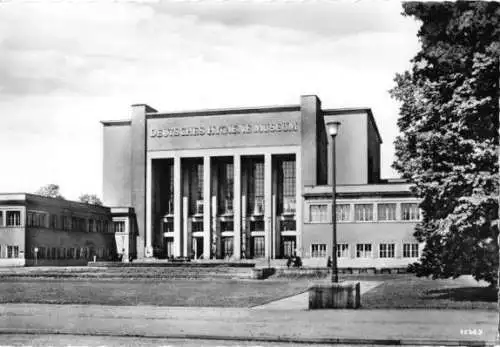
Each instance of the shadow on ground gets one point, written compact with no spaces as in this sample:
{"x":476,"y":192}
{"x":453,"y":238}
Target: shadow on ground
{"x":485,"y":294}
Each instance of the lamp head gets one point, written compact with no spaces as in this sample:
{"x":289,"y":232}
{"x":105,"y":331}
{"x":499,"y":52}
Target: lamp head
{"x":333,"y":128}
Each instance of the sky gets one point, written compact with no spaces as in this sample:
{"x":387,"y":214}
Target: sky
{"x":66,"y":65}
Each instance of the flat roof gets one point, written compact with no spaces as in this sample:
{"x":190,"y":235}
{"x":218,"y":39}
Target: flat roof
{"x":25,"y":197}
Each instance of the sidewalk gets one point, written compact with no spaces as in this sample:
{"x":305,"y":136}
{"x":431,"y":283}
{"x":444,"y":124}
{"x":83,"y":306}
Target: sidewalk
{"x":403,"y":327}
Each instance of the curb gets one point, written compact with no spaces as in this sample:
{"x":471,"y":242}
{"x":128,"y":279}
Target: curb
{"x":271,"y":339}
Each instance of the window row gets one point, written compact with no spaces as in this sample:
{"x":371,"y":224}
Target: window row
{"x":365,"y":250}
{"x":10,"y":218}
{"x":67,"y":223}
{"x":319,"y":213}
{"x":54,"y":253}
{"x":9,"y":251}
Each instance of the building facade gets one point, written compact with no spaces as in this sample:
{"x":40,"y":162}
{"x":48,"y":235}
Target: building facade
{"x":37,"y":230}
{"x":256,"y":183}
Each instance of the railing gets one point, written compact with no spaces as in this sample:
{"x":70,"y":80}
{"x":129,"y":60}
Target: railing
{"x":228,"y":206}
{"x":258,"y":209}
{"x":199,"y":207}
{"x":289,"y":205}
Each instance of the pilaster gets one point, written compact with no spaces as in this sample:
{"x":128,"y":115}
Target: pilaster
{"x":237,"y":207}
{"x":185,"y":213}
{"x":149,"y":208}
{"x":274,"y":220}
{"x":207,"y":183}
{"x":268,"y":204}
{"x":215,"y":241}
{"x":177,"y":207}
{"x":245,"y":241}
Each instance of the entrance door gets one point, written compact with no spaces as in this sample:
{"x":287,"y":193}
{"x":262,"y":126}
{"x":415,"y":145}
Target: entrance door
{"x":198,"y":247}
{"x":288,"y":246}
{"x":227,"y":247}
{"x":258,"y":247}
{"x":169,"y":247}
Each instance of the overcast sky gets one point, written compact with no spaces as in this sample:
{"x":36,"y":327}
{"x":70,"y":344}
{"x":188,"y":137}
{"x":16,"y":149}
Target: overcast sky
{"x":64,"y":66}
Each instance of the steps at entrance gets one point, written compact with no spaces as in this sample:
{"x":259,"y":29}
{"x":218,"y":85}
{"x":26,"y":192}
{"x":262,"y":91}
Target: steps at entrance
{"x":142,"y":272}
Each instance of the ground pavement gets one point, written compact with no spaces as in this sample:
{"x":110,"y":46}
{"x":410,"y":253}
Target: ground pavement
{"x":411,"y":327}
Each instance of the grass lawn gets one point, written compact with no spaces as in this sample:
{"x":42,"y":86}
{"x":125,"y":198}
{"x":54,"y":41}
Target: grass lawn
{"x":408,"y":291}
{"x":149,"y":287}
{"x":208,"y":293}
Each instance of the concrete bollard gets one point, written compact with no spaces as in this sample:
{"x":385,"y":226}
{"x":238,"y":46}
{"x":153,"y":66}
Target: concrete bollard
{"x":334,"y":295}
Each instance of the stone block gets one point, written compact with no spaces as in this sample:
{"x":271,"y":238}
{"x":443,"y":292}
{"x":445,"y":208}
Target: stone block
{"x":335,"y":295}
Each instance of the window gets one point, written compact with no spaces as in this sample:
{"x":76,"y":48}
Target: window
{"x":13,"y":218}
{"x":198,"y":226}
{"x":257,"y":225}
{"x":287,"y":185}
{"x":119,"y":227}
{"x":342,"y":250}
{"x":410,"y":250}
{"x":256,"y":188}
{"x":53,"y":221}
{"x":386,"y":212}
{"x":226,"y":187}
{"x":410,"y":212}
{"x":168,"y":227}
{"x":196,"y":189}
{"x":343,"y":212}
{"x":226,"y":226}
{"x":91,"y":226}
{"x":1,"y":218}
{"x":318,"y":213}
{"x":364,"y":212}
{"x":386,"y":250}
{"x":288,"y":225}
{"x":81,"y":225}
{"x":78,"y":254}
{"x":363,"y":250}
{"x":227,"y":247}
{"x":258,"y":246}
{"x":318,"y":250}
{"x":12,"y":251}
{"x":66,"y":222}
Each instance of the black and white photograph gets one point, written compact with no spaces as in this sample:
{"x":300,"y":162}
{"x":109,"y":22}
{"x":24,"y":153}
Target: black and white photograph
{"x":249,"y":173}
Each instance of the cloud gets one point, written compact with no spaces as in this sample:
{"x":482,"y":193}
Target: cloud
{"x":65,"y":66}
{"x":325,"y":18}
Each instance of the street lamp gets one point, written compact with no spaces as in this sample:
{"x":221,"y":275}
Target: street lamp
{"x":333,"y":128}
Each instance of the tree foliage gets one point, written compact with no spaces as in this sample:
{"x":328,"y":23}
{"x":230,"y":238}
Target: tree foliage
{"x":50,"y":190}
{"x":91,"y":199}
{"x":448,"y":146}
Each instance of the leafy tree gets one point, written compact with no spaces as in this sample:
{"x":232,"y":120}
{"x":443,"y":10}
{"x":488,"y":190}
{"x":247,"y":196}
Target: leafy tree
{"x":91,"y":199}
{"x":448,"y":145}
{"x":50,"y":190}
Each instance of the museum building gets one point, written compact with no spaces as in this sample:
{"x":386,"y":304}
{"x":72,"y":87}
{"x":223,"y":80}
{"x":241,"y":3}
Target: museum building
{"x":255,"y":183}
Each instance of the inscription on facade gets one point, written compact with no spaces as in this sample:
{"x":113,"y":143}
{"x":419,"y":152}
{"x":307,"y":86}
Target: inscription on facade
{"x":235,"y":129}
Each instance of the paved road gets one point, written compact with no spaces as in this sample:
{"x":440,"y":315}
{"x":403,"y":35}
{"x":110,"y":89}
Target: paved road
{"x":248,"y":324}
{"x":111,"y":341}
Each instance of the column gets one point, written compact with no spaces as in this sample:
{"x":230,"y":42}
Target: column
{"x":299,"y":209}
{"x":177,"y":207}
{"x":245,"y":239}
{"x":237,"y":206}
{"x":274,"y":221}
{"x":268,"y":204}
{"x":186,"y":246}
{"x":215,"y":241}
{"x":149,"y":208}
{"x":206,"y":207}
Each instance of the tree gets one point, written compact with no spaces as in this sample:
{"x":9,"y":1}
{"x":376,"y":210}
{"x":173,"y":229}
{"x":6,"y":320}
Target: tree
{"x":91,"y":199}
{"x":448,"y":146}
{"x":50,"y":190}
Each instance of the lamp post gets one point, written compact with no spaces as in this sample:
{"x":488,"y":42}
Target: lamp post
{"x":333,"y":128}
